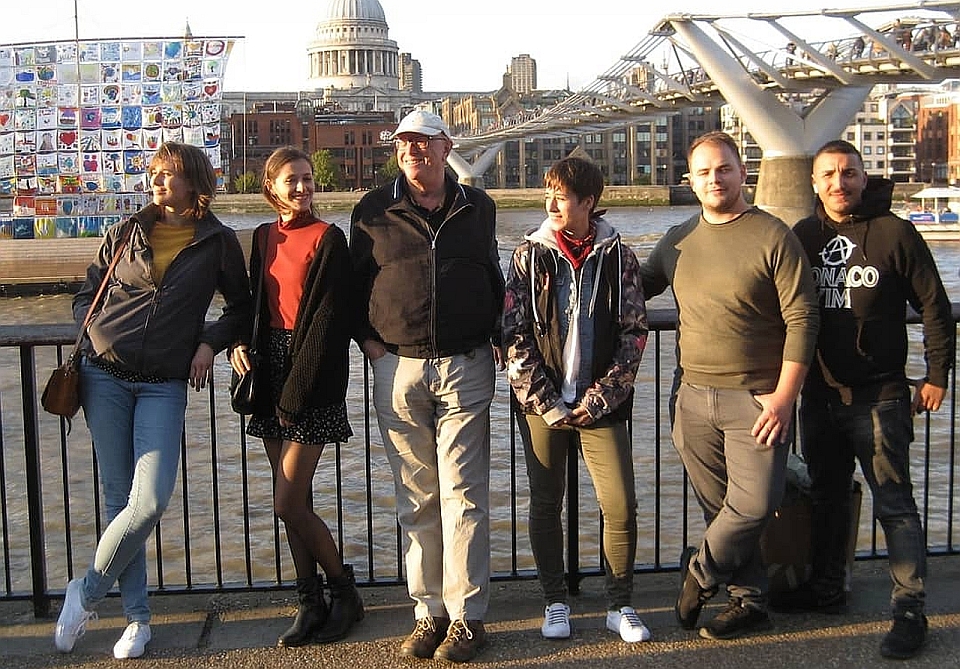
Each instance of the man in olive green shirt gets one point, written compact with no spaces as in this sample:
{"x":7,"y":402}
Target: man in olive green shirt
{"x":747,"y":327}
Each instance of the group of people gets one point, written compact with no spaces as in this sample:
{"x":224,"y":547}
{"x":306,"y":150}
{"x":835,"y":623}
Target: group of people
{"x":420,"y":289}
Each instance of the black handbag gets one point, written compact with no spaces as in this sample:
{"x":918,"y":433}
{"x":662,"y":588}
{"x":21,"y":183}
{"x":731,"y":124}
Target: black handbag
{"x":243,"y":396}
{"x":243,"y":387}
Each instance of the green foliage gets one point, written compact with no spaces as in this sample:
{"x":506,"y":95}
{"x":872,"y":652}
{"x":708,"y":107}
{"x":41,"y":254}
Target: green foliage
{"x":390,"y":169}
{"x":326,"y":171}
{"x":246,"y":183}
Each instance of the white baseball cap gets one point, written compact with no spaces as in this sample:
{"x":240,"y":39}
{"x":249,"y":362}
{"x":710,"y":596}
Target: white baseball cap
{"x":423,"y":123}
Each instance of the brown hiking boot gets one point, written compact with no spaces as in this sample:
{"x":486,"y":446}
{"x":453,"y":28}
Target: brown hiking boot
{"x":465,"y":639}
{"x":426,"y":636}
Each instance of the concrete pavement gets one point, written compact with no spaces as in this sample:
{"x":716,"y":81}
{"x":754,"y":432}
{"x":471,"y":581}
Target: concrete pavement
{"x":240,"y":630}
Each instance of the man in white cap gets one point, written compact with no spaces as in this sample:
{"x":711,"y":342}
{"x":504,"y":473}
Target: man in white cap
{"x":430,"y":293}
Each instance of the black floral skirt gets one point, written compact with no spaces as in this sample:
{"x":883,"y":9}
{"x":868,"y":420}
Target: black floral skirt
{"x":315,"y":425}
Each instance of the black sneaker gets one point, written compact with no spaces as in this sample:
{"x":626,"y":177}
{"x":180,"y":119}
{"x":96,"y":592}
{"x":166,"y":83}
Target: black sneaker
{"x":907,"y":635}
{"x":692,"y":597}
{"x":423,"y":641}
{"x":735,"y":621}
{"x":809,"y":598}
{"x":465,"y":639}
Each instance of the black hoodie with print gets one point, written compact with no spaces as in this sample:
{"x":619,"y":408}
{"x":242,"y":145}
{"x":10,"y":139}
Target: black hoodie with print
{"x":867,"y":268}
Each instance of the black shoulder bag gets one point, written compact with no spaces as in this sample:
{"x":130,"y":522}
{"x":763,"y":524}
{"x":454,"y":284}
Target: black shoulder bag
{"x":243,"y":388}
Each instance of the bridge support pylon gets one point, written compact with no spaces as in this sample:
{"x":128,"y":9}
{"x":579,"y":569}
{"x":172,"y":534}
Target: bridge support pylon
{"x":472,"y":174}
{"x":787,"y":135}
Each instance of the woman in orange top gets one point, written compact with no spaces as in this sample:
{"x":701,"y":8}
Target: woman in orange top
{"x":307,"y":303}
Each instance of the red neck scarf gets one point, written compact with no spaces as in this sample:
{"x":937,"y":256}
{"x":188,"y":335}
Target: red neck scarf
{"x":576,"y":250}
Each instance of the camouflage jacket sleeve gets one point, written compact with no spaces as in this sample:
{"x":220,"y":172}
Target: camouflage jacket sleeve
{"x":613,"y":388}
{"x":526,"y":370}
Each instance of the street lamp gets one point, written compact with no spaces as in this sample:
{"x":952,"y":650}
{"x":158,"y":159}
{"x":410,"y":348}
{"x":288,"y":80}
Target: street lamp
{"x":304,"y":112}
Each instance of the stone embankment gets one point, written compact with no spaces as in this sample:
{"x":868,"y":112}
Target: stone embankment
{"x":31,"y":266}
{"x":506,"y":198}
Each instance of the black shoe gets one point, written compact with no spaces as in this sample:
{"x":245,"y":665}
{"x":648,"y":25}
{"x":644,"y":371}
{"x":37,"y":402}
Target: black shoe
{"x":426,"y":636}
{"x":735,"y":621}
{"x":465,"y":639}
{"x":906,"y":636}
{"x":312,"y":613}
{"x":346,"y":607}
{"x":692,"y":597}
{"x":809,"y":598}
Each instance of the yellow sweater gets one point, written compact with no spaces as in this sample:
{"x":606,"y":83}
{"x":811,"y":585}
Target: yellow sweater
{"x":167,"y":241}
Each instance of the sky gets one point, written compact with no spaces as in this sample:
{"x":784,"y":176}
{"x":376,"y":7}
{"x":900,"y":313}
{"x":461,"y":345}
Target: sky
{"x":461,"y":46}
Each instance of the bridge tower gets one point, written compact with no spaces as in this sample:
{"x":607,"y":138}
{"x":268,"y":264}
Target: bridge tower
{"x":788,"y":139}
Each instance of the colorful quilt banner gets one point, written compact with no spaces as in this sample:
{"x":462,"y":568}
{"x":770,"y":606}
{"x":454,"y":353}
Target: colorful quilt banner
{"x":80,"y":122}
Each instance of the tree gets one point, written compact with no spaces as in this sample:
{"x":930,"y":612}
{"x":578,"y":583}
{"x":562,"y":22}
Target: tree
{"x":246,"y":183}
{"x":390,"y":169}
{"x":326,"y":171}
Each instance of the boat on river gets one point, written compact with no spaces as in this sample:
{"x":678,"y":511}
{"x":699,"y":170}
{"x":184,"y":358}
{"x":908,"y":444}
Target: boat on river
{"x":936,"y":223}
{"x":946,"y":229}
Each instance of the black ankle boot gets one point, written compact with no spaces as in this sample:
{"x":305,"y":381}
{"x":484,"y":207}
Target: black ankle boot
{"x":312,"y":613}
{"x":345,"y":606}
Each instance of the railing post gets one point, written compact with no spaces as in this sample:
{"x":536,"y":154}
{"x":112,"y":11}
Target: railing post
{"x":31,"y":446}
{"x":573,"y":520}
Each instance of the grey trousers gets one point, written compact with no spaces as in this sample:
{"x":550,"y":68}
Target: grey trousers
{"x":738,"y":483}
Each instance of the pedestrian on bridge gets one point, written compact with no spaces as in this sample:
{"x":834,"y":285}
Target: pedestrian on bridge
{"x":869,"y":265}
{"x":747,"y":314}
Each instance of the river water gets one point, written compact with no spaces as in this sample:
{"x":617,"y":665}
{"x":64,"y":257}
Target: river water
{"x":367,"y":526}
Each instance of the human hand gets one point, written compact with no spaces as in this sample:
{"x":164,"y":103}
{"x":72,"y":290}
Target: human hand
{"x":373,"y":349}
{"x":774,"y":420}
{"x":499,"y":359}
{"x":579,"y":417}
{"x":927,"y":397}
{"x":201,"y":366}
{"x":240,"y":359}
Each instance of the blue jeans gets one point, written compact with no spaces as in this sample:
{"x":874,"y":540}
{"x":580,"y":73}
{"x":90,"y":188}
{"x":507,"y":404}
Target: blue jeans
{"x":136,"y":430}
{"x":878,"y":434}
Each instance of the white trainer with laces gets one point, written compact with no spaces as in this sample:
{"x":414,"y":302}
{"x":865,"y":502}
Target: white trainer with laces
{"x":556,"y":621}
{"x":72,"y":623}
{"x":133,"y":642}
{"x":628,"y":625}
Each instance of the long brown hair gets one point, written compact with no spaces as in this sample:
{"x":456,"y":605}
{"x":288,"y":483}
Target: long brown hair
{"x":272,"y":167}
{"x":195,"y":167}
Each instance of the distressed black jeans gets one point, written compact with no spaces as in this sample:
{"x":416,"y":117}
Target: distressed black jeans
{"x":878,"y":434}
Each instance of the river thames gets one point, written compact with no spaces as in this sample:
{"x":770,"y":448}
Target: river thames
{"x":367,"y":526}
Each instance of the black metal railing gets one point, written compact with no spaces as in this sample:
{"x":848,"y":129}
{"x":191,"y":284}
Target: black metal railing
{"x":219,"y":532}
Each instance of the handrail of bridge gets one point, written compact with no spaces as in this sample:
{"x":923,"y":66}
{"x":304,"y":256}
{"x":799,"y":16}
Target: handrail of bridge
{"x":634,"y":88}
{"x":220,"y":534}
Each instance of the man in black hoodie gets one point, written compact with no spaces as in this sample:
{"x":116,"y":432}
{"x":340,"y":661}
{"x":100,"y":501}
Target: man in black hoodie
{"x":856,"y":401}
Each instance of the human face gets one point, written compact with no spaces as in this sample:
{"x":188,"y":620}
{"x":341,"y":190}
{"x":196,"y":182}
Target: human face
{"x":293,"y":188}
{"x":422,"y":166}
{"x":170,"y":189}
{"x":717,"y":178}
{"x":839,"y":180}
{"x":567,"y":212}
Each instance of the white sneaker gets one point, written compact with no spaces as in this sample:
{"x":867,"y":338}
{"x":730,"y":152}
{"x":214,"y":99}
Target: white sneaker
{"x":556,"y":621}
{"x":72,"y":622}
{"x":628,"y":625}
{"x":133,"y":641}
